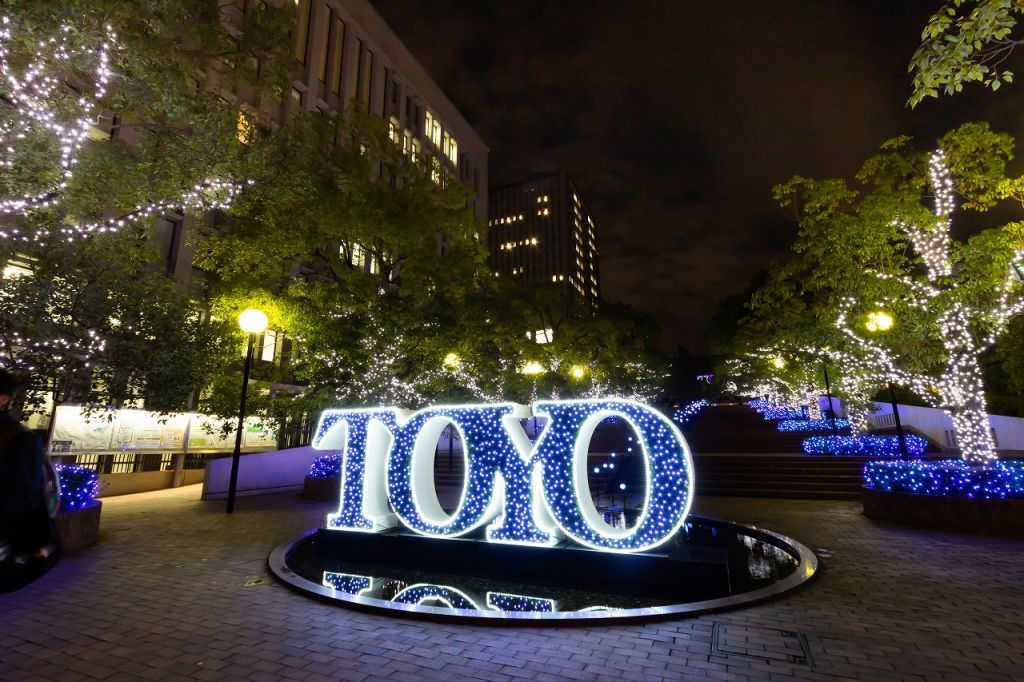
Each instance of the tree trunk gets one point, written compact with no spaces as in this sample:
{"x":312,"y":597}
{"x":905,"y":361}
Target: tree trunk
{"x":858,"y":417}
{"x":964,"y":398}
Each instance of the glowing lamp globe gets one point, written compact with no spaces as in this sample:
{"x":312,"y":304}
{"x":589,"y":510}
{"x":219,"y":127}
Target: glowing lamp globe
{"x":778,"y":363}
{"x":578,"y":372}
{"x":879,"y":321}
{"x":252,"y":321}
{"x":452,"y":361}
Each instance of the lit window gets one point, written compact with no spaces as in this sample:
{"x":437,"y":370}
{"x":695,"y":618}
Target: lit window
{"x":102,"y":126}
{"x":433,"y":129}
{"x":451,"y":149}
{"x":544,"y":335}
{"x":13,"y":270}
{"x":269,"y":345}
{"x":246,"y":129}
{"x":393,"y":130}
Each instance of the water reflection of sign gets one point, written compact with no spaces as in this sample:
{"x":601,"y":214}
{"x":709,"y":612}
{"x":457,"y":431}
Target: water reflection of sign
{"x":426,"y":594}
{"x":523,"y":492}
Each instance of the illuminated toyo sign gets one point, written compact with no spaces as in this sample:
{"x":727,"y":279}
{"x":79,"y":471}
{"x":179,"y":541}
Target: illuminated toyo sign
{"x":525,"y":493}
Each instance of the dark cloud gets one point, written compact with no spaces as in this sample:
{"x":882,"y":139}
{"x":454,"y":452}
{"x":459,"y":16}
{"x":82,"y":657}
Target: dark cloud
{"x":677,"y":118}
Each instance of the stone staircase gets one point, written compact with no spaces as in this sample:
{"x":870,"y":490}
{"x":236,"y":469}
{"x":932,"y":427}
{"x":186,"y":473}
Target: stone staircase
{"x":736,"y":453}
{"x":782,"y":476}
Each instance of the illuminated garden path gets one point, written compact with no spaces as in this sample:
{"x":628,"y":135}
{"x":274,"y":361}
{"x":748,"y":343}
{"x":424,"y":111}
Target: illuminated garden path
{"x":177,"y":589}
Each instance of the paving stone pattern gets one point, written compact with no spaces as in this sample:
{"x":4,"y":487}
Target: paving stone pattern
{"x":176,"y":589}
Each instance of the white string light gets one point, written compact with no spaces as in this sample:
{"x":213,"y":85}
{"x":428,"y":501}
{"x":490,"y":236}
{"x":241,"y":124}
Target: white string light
{"x":38,"y":103}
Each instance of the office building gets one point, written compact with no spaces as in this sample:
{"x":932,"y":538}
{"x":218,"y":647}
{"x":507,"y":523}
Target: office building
{"x":541,"y":231}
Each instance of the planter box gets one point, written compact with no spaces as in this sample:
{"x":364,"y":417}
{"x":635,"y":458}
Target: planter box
{"x":941,"y":512}
{"x":79,"y":528}
{"x":321,"y":488}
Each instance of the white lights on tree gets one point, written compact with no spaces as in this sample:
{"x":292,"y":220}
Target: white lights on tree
{"x":967,"y":328}
{"x":32,"y":96}
{"x":526,"y":493}
{"x":43,"y":107}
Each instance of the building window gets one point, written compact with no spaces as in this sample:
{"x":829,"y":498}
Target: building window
{"x":268,"y":351}
{"x":544,"y":335}
{"x":365,"y":74}
{"x":165,"y":237}
{"x":296,"y":101}
{"x":337,"y":53}
{"x":302,"y":9}
{"x":451,"y":149}
{"x":432,"y":129}
{"x":394,"y":131}
{"x":246,"y":132}
{"x":15,"y":268}
{"x":101,"y":127}
{"x":321,"y":53}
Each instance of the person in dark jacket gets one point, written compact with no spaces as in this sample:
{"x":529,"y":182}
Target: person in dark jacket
{"x":25,"y":537}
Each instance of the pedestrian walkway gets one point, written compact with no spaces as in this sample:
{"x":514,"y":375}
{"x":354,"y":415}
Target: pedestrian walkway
{"x":176,"y":589}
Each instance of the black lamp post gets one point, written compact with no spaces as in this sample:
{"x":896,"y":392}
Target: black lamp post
{"x":828,"y":394}
{"x":899,"y":426}
{"x":252,"y":322}
{"x":881,"y":321}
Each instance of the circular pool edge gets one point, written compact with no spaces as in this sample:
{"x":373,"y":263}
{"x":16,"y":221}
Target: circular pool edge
{"x":806,"y":569}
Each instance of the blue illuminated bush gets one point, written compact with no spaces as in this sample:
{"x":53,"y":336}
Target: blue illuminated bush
{"x":872,"y":446}
{"x":771,"y":411}
{"x":811,"y":424}
{"x":326,"y":466}
{"x":689,"y":411}
{"x":950,"y":477}
{"x":79,"y":486}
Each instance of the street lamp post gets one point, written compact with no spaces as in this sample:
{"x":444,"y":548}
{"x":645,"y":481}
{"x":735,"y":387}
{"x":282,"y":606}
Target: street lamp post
{"x":828,"y":394}
{"x":881,"y":321}
{"x":896,"y":419}
{"x":252,"y":322}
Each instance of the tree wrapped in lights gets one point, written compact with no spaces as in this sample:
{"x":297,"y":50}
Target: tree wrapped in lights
{"x":912,"y":305}
{"x":83,"y":311}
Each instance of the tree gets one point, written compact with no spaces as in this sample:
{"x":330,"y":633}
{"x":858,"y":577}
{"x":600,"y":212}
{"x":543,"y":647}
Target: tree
{"x":872,"y":257}
{"x":966,"y":41}
{"x":85,"y":313}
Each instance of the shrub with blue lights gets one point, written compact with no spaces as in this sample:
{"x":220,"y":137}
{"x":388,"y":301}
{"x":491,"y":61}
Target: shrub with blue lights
{"x":791,"y":425}
{"x":771,"y":411}
{"x":327,"y":466}
{"x":688,"y":411}
{"x":871,"y":446}
{"x":1003,"y":480}
{"x":79,"y":486}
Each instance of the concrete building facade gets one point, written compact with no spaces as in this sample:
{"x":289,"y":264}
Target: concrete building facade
{"x":343,"y":51}
{"x":541,"y":231}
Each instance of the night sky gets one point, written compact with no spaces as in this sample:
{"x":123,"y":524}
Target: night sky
{"x":675,"y":119}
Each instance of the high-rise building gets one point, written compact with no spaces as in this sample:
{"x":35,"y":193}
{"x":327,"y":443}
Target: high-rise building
{"x":541,"y":231}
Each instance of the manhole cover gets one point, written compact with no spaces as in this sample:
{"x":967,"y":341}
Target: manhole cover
{"x":771,"y":645}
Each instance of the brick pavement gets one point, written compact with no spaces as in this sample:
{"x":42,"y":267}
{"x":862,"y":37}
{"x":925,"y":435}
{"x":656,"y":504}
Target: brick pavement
{"x":176,"y":589}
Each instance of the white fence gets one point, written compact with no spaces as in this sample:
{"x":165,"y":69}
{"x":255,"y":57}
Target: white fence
{"x":1008,"y":432}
